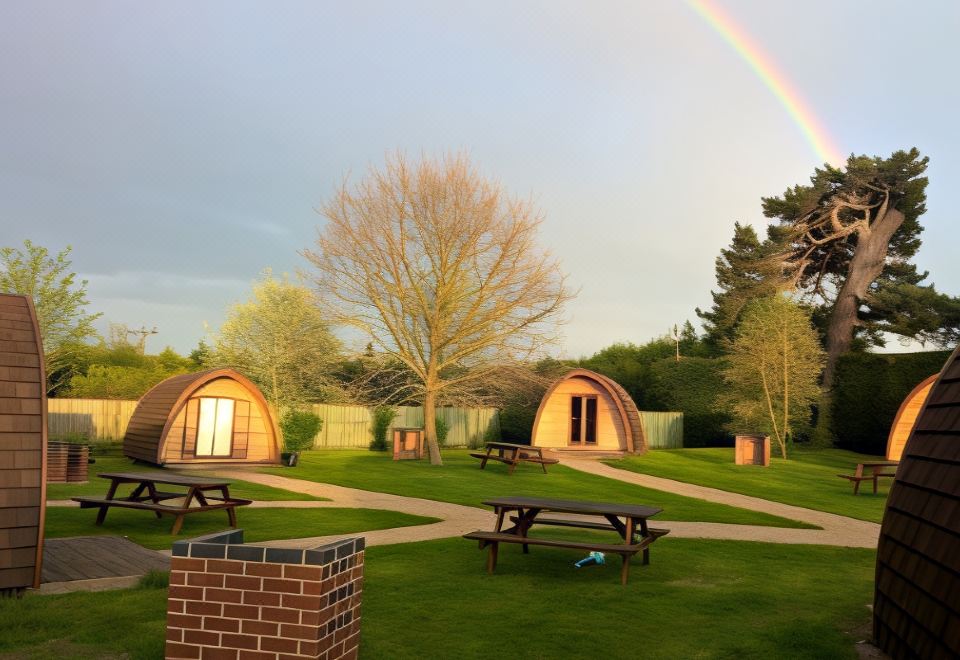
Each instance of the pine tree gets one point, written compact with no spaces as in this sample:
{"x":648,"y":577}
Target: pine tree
{"x":744,"y":272}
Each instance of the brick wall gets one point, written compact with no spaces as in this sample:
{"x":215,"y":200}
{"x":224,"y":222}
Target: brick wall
{"x":240,"y":602}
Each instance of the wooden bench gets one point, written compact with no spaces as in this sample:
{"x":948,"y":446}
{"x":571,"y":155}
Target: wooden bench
{"x":876,"y":470}
{"x":512,"y":454}
{"x":87,"y":502}
{"x":493,"y":539}
{"x":652,"y":532}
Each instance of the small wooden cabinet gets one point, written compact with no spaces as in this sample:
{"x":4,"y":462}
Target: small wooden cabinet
{"x":752,"y":449}
{"x":407,"y":444}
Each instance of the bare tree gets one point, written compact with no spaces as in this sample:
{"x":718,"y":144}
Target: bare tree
{"x":440,"y":269}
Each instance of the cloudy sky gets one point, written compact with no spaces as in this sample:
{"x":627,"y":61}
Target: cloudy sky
{"x":182,"y":147}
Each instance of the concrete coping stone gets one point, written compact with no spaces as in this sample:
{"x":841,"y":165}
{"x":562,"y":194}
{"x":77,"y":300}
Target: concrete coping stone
{"x":229,"y":545}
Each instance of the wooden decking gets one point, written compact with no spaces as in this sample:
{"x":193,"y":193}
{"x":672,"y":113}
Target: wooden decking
{"x":92,"y":557}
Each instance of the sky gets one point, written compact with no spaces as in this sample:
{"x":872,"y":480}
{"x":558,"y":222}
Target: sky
{"x":180,"y":147}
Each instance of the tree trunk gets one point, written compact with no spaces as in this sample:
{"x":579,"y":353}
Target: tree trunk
{"x":430,"y":424}
{"x":866,"y":265}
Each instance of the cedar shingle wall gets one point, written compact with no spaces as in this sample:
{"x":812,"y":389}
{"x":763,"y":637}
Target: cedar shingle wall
{"x":917,"y":599}
{"x":22,"y":442}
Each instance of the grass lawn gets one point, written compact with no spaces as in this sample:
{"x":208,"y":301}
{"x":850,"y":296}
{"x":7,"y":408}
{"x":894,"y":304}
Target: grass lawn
{"x":697,"y":599}
{"x":462,"y":482}
{"x":114,"y":462}
{"x":257,"y":524}
{"x":808,"y":478}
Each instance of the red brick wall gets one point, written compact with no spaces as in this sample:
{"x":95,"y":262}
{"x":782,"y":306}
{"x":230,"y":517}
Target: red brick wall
{"x":229,"y":600}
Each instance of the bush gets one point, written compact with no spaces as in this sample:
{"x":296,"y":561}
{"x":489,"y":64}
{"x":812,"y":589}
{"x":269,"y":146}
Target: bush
{"x":442,"y":430}
{"x":868,"y":390}
{"x":691,"y":386}
{"x":299,"y":428}
{"x":383,"y":416}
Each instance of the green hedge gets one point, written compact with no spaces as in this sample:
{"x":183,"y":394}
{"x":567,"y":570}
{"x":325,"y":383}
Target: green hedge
{"x":691,"y":386}
{"x":868,"y":390}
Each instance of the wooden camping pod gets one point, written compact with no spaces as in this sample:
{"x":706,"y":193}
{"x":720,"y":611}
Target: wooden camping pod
{"x":616,"y":424}
{"x":916,"y":610}
{"x":23,"y":442}
{"x":215,"y":416}
{"x":907,"y":417}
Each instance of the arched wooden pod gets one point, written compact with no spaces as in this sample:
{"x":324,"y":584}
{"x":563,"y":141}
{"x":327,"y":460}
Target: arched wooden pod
{"x":618,"y":425}
{"x":168,"y":425}
{"x":23,"y":442}
{"x":906,"y":417}
{"x":916,"y":610}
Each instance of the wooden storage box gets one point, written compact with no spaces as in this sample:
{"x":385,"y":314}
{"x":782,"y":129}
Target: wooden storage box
{"x":407,"y":444}
{"x":752,"y":449}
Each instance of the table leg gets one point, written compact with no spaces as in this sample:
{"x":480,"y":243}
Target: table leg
{"x":492,"y":557}
{"x":514,"y":459}
{"x":856,"y":482}
{"x":232,"y":516}
{"x":154,"y":497}
{"x":644,"y":533}
{"x":111,"y":492}
{"x":625,"y":570}
{"x":483,"y":462}
{"x":177,"y":524}
{"x":876,"y":478}
{"x":500,"y":514}
{"x":524,"y":523}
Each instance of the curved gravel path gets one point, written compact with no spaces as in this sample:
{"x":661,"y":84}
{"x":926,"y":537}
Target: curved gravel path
{"x":457,"y":519}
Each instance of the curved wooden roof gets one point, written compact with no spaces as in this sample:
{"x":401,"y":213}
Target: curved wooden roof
{"x":906,"y":417}
{"x":916,"y":611}
{"x":23,"y":443}
{"x":158,"y":408}
{"x":625,"y":405}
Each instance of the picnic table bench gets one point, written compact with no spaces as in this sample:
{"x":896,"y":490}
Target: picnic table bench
{"x":147,"y":497}
{"x":876,"y":470}
{"x":512,"y":455}
{"x":629,"y":521}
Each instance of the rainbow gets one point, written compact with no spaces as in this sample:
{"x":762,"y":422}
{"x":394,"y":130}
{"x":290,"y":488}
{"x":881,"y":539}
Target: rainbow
{"x":765,"y":68}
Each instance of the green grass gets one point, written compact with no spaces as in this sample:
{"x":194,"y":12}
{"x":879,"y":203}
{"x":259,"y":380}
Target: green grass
{"x":697,"y":599}
{"x":808,"y":478}
{"x":461,"y":482}
{"x":257,"y":524}
{"x":115,"y":463}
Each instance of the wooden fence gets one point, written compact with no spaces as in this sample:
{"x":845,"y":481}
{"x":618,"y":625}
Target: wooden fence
{"x":664,"y":430}
{"x":105,"y":420}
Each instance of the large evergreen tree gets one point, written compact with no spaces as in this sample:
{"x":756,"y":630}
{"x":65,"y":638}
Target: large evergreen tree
{"x":744,"y":272}
{"x":845,"y":243}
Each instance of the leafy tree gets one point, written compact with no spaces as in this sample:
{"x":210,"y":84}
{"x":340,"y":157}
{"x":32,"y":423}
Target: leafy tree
{"x":846,"y":241}
{"x":60,"y":301}
{"x":120,"y":371}
{"x":745,"y":272}
{"x":773,"y":368}
{"x":281,"y":340}
{"x":440,"y":269}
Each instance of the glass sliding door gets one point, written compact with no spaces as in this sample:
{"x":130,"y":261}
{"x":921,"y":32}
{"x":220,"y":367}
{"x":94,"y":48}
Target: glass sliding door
{"x":215,"y":427}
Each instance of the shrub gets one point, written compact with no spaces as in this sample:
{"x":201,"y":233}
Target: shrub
{"x":442,"y":430}
{"x":299,"y":428}
{"x":691,"y":387}
{"x":383,"y":416}
{"x":868,"y":390}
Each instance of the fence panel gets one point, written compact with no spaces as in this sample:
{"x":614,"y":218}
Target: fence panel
{"x":663,"y":430}
{"x":96,"y":420}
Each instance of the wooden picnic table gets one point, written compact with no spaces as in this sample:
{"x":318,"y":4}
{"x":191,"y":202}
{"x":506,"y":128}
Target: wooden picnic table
{"x":875,"y":471}
{"x":629,"y":521}
{"x":146,"y":496}
{"x":512,"y":455}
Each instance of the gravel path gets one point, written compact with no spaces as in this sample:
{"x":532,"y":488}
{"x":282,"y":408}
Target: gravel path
{"x":457,"y":519}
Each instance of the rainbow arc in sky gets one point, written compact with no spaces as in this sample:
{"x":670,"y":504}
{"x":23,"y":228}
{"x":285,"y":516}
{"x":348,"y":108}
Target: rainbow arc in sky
{"x":775,"y":80}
